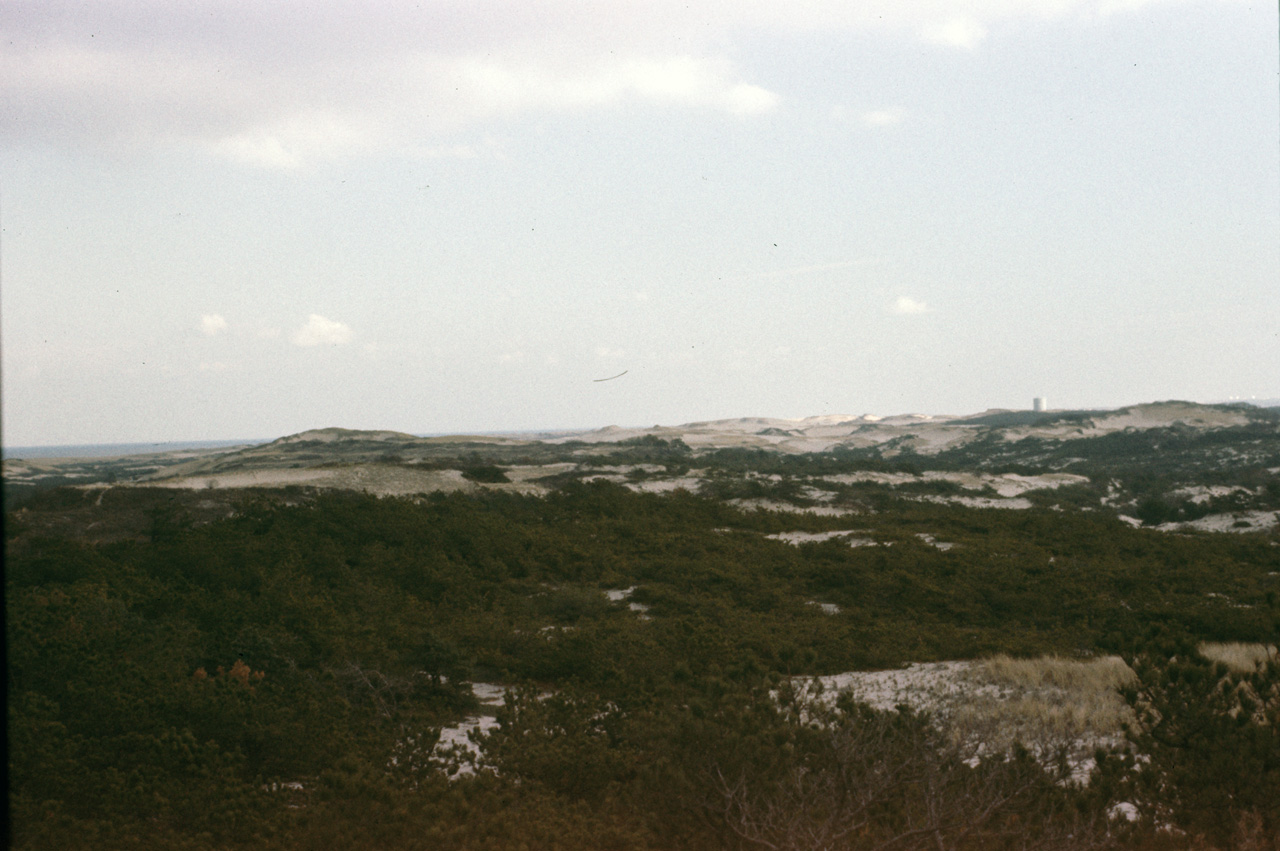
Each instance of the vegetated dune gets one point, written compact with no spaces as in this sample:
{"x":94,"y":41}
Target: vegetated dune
{"x":333,"y":435}
{"x":1136,"y":417}
{"x":1214,"y":466}
{"x":923,"y":434}
{"x":379,"y":479}
{"x":551,"y":594}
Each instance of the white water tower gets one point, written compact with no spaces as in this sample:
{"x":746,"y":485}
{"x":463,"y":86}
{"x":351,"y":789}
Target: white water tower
{"x":1039,"y":404}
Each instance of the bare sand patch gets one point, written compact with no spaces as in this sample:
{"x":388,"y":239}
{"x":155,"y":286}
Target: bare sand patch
{"x":1235,"y":521}
{"x":1005,"y":484}
{"x":798,"y":538}
{"x":458,"y":750}
{"x":1017,"y":503}
{"x":777,"y":505}
{"x":892,"y":479}
{"x":531,"y":472}
{"x":685,"y":483}
{"x":816,"y":494}
{"x":931,"y":441}
{"x":616,"y":478}
{"x":944,"y":546}
{"x":377,"y":479}
{"x":1200,"y":494}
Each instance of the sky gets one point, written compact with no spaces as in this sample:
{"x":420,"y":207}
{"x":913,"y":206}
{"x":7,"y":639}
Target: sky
{"x":225,"y":219}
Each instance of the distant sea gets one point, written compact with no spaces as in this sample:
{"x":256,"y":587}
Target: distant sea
{"x":109,"y":450}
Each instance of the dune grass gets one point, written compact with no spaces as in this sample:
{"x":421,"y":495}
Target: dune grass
{"x":1089,"y":675}
{"x":1238,"y":657}
{"x":1049,"y":699}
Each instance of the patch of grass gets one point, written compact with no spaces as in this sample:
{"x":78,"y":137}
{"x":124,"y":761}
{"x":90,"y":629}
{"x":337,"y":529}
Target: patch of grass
{"x":1092,"y":675}
{"x":1050,"y":698}
{"x":1239,"y":658}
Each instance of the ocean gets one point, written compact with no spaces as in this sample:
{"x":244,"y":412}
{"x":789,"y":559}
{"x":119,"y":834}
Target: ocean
{"x":109,"y":450}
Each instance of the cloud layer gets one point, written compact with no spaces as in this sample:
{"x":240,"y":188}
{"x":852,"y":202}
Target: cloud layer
{"x":286,"y":84}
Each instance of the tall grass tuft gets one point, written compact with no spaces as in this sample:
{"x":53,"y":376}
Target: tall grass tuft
{"x":1049,"y":699}
{"x":1107,"y":673}
{"x":1239,"y":658}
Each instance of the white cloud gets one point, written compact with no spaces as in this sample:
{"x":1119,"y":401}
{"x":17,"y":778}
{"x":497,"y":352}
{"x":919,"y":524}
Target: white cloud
{"x":882,"y":117}
{"x":297,"y":141}
{"x":905,"y":306}
{"x":745,"y":99}
{"x":964,"y":33}
{"x":321,"y":332}
{"x":212,"y":323}
{"x":506,"y":86}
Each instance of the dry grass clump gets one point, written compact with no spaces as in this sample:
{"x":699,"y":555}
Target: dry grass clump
{"x":1049,"y":699}
{"x":1238,"y":657}
{"x":1044,"y":717}
{"x":1106,"y":673}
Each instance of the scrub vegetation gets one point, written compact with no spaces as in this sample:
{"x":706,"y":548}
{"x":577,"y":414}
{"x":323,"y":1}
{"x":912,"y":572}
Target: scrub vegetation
{"x":256,"y":668}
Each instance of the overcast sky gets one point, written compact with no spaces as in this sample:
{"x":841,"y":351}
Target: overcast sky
{"x":234,"y":219}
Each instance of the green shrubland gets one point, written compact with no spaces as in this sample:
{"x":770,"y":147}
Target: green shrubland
{"x":189,"y":680}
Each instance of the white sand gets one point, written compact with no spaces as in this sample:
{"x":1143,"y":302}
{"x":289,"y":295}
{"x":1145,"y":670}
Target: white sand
{"x":1236,"y":521}
{"x":685,"y":483}
{"x":1006,"y":485}
{"x":934,"y":542}
{"x":526,"y":473}
{"x":921,"y":685}
{"x":1201,"y":494}
{"x":378,"y":479}
{"x":458,"y":751}
{"x":777,"y":505}
{"x":978,"y":501}
{"x":798,"y":538}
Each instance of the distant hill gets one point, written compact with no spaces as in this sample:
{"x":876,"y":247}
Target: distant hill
{"x":1171,"y":464}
